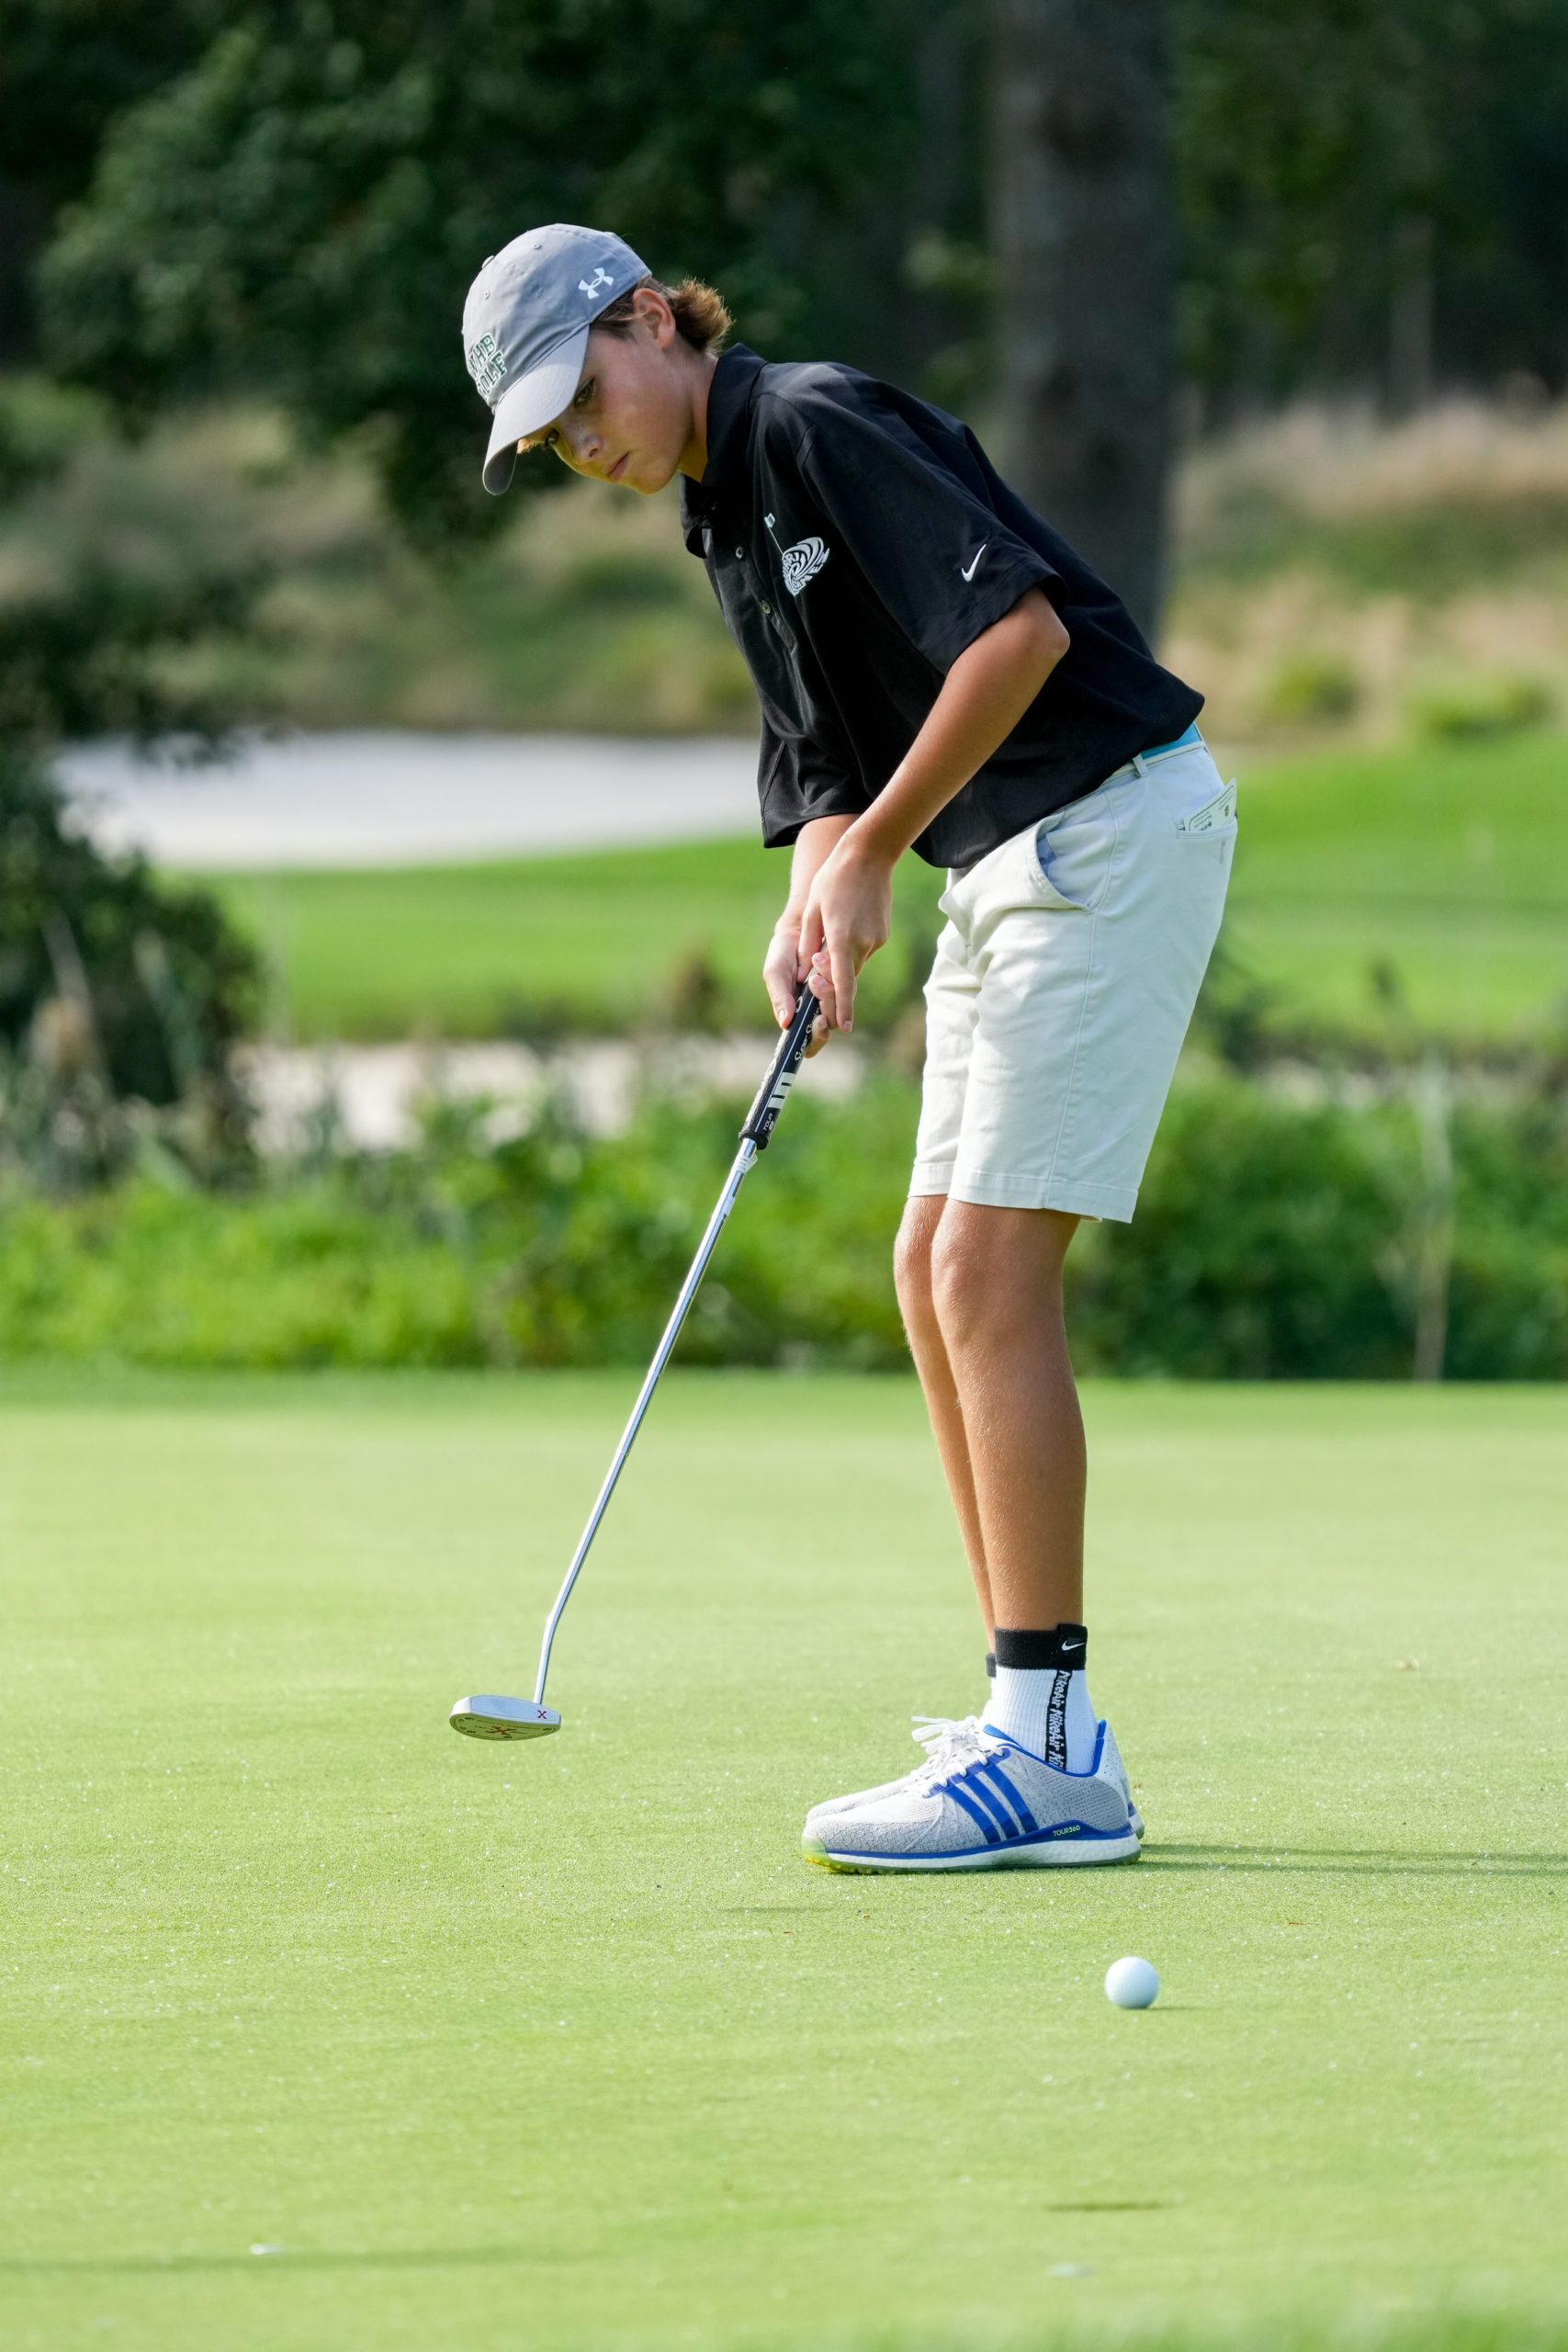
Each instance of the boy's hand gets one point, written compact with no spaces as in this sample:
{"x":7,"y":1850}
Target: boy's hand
{"x":779,"y":973}
{"x":848,"y":916}
{"x":781,"y":976}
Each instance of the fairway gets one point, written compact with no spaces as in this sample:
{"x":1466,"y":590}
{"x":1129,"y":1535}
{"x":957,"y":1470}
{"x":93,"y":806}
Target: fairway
{"x":323,"y":2029}
{"x":1449,"y":863}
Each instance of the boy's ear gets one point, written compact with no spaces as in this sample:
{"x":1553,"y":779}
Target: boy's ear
{"x":656,"y":315}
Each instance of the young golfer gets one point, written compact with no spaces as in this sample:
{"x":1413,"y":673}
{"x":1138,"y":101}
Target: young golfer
{"x":938,"y":671}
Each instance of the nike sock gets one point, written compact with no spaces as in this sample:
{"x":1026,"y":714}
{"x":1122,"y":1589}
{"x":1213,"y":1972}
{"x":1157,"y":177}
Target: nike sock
{"x":1040,"y":1698}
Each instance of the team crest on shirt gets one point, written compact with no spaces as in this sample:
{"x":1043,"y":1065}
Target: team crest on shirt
{"x":801,"y":562}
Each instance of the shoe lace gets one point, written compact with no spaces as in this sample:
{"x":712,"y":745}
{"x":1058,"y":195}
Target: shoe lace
{"x":952,"y":1744}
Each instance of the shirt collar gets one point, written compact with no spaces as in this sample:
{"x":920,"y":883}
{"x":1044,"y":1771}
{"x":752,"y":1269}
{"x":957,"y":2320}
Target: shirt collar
{"x":729,"y":418}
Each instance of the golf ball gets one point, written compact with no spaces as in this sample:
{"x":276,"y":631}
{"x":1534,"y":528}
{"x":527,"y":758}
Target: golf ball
{"x":1131,"y":1983}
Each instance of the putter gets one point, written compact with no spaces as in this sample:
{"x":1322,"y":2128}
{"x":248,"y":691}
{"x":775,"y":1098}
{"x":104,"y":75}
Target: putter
{"x":492,"y":1716}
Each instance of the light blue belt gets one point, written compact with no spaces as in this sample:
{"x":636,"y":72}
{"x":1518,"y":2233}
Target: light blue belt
{"x":1185,"y":742}
{"x":1177,"y":743}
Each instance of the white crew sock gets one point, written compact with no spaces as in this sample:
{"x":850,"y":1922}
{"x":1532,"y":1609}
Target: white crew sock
{"x":1046,"y":1707}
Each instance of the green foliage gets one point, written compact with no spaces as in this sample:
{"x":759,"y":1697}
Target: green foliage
{"x":67,"y":67}
{"x":308,"y":204}
{"x":1484,"y":707}
{"x":121,"y":997}
{"x":302,"y":201}
{"x":1272,"y":1240}
{"x":1330,"y":152}
{"x":115,"y":987}
{"x":38,"y":427}
{"x":83,"y":647}
{"x":1312,"y":685}
{"x":1445,"y":544}
{"x":1261,"y":1248}
{"x":88,"y":658}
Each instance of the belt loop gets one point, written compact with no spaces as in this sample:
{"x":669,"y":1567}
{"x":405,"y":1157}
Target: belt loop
{"x":1141,"y":764}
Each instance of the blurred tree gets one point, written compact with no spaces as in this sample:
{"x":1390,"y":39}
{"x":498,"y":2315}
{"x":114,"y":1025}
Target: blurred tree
{"x":1371,"y":193}
{"x":1363,"y":193}
{"x":67,"y":67}
{"x":306,"y":205}
{"x":83,"y":654}
{"x":115,"y":989}
{"x":1084,"y":255}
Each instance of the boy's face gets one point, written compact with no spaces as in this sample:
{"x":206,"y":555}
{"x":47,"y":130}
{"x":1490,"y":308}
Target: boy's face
{"x":630,"y":420}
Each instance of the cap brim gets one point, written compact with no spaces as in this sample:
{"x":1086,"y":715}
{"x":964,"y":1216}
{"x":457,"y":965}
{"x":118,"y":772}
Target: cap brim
{"x":531,"y":403}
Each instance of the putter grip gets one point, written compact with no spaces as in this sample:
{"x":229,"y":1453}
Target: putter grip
{"x":763,"y":1115}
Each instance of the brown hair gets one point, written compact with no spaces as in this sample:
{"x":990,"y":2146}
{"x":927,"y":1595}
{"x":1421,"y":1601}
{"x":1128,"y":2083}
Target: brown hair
{"x":702,"y":315}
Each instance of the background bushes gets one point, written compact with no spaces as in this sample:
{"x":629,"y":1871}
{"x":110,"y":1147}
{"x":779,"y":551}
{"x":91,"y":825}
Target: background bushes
{"x":1273,"y":1240}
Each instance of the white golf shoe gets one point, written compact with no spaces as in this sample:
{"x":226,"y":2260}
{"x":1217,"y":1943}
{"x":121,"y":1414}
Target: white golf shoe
{"x":980,"y":1802}
{"x":1110,"y":1761}
{"x":946,"y":1736}
{"x":938,"y":1735}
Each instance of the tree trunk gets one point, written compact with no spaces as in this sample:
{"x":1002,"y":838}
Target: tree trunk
{"x":1410,"y":319}
{"x":1082,"y":210}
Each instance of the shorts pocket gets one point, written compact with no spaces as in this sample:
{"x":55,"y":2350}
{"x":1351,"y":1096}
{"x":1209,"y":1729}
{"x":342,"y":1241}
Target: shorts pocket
{"x":1215,"y":819}
{"x":1076,"y":850}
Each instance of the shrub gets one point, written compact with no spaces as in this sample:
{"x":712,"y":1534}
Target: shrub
{"x":1261,"y":1248}
{"x":1271,"y":1241}
{"x":1470,"y":708}
{"x":114,"y":986}
{"x":1311,"y":686}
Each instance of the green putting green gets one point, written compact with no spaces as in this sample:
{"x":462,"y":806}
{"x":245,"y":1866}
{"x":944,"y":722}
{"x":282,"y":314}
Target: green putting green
{"x":323,"y":2029}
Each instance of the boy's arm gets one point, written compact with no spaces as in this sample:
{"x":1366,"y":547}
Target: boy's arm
{"x":782,"y":969}
{"x":846,"y":864}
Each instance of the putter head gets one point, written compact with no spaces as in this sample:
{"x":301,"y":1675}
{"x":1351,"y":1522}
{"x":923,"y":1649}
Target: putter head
{"x":496,"y":1718}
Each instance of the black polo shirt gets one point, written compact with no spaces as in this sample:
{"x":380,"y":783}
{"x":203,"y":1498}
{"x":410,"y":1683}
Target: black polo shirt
{"x":857,"y":541}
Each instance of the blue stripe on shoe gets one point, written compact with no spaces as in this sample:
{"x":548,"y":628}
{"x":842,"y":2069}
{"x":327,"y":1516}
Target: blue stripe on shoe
{"x":1026,"y":1820}
{"x":971,"y":1781}
{"x":983,"y":1821}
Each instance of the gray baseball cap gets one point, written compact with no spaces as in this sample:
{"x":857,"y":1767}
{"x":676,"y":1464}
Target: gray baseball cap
{"x":525,"y":327}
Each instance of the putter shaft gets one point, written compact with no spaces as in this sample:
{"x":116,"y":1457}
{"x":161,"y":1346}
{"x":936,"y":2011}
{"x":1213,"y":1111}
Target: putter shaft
{"x":742,"y":1161}
{"x":760,"y":1124}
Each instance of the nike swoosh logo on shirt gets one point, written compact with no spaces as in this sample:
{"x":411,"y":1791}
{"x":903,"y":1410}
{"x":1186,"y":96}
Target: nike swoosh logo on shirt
{"x":968,"y":571}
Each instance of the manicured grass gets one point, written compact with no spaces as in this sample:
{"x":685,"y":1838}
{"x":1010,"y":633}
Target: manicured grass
{"x":565,"y":2045}
{"x":597,"y":938}
{"x":1449,"y":864}
{"x":461,"y":948}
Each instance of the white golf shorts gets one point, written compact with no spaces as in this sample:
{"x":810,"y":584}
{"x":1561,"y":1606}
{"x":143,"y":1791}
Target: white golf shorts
{"x":1063,"y":986}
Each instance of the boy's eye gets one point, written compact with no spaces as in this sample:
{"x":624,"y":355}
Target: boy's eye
{"x":585,"y":394}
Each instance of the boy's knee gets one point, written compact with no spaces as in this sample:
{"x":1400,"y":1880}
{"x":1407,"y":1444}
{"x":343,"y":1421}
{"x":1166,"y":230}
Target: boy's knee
{"x":912,"y":1255}
{"x":960,"y":1281}
{"x":990,"y":1269}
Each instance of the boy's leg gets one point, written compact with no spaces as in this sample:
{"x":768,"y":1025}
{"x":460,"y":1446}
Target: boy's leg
{"x":981,"y":1293}
{"x":1060,"y":993}
{"x":997,"y":1288}
{"x":912,"y":1277}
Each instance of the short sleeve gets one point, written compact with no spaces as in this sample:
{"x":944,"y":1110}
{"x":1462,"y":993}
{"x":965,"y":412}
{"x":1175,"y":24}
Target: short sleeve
{"x":797,"y":783}
{"x":931,"y":548}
